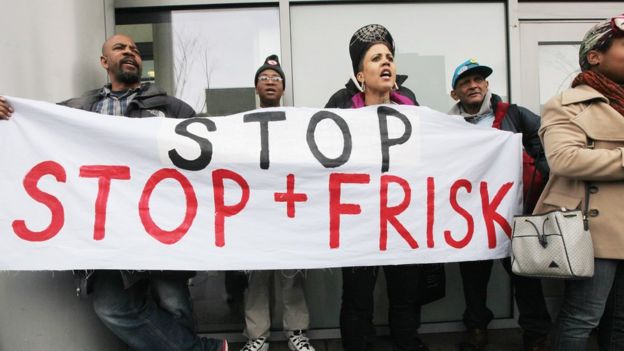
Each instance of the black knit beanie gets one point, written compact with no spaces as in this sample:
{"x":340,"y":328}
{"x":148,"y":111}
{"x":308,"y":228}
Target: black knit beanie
{"x":271,"y":62}
{"x":366,"y":37}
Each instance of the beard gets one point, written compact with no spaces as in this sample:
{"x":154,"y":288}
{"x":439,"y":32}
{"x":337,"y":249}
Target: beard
{"x":127,"y":77}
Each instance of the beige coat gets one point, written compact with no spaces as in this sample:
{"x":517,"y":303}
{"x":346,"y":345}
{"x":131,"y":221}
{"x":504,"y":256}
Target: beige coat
{"x":569,"y":122}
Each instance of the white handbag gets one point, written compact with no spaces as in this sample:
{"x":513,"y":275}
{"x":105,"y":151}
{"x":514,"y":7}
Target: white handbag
{"x":556,"y":244}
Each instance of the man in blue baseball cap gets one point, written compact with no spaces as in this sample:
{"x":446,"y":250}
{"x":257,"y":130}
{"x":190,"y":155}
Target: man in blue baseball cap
{"x":479,"y":106}
{"x":472,"y":91}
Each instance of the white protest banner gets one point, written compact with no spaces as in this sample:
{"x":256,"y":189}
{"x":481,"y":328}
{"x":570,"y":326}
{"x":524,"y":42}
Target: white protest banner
{"x":265,"y":189}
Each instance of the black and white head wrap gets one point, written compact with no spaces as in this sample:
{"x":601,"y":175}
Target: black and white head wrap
{"x":366,"y":37}
{"x":598,"y":36}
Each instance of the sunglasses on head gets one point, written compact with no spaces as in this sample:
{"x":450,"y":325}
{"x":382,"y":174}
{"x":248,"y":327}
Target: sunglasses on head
{"x":617,"y":24}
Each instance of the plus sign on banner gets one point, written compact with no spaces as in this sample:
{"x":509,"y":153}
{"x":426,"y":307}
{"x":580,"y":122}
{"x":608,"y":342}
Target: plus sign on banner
{"x":265,"y":189}
{"x":290,"y":197}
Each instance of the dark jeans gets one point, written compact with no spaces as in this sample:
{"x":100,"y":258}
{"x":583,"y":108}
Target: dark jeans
{"x":151,"y":315}
{"x":356,"y":312}
{"x":588,"y":302}
{"x":533,"y":315}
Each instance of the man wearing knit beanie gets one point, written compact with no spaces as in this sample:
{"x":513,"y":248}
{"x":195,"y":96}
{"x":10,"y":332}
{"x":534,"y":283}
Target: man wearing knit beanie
{"x":270,"y":82}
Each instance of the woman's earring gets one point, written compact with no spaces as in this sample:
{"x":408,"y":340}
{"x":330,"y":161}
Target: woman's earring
{"x":363,"y":87}
{"x":396,"y":86}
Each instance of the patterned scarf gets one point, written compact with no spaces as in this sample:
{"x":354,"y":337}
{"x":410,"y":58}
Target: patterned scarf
{"x":611,"y":90}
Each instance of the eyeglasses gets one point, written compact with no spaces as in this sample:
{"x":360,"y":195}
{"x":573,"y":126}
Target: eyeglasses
{"x":272,"y":79}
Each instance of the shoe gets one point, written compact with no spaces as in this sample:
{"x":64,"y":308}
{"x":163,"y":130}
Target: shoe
{"x":298,"y":341}
{"x":540,"y":344}
{"x":259,"y":344}
{"x":474,"y":340}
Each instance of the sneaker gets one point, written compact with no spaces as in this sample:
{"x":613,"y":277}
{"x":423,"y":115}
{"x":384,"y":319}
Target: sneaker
{"x":259,"y":344}
{"x":298,"y":341}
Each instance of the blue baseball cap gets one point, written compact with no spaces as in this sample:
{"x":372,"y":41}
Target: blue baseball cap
{"x":470,"y":66}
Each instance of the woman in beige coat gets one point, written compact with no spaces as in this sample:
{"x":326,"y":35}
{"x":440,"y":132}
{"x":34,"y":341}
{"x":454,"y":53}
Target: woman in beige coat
{"x":583,"y":135}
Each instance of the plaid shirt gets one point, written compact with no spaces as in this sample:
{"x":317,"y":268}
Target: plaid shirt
{"x":114,"y":103}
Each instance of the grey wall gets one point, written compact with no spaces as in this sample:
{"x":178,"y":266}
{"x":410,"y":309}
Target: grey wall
{"x":41,"y":312}
{"x":49,"y":50}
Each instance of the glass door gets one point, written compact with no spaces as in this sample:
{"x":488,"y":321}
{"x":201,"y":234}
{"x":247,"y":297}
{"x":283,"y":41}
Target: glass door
{"x":549,"y":59}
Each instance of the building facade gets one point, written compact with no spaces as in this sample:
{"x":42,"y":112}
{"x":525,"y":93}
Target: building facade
{"x":206,"y":53}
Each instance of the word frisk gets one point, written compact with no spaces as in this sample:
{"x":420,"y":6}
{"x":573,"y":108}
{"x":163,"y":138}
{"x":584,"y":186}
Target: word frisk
{"x":105,"y":174}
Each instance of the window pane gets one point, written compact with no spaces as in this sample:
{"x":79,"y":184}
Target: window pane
{"x":221,"y":49}
{"x":208,"y":58}
{"x":558,"y":65}
{"x":431,"y":40}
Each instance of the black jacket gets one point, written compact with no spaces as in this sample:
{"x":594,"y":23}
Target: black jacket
{"x":342,"y":98}
{"x":150,"y":97}
{"x":520,"y":120}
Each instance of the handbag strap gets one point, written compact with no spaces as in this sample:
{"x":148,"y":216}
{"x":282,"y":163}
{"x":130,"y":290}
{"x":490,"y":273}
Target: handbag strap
{"x":590,"y":145}
{"x":525,"y":205}
{"x":586,"y":207}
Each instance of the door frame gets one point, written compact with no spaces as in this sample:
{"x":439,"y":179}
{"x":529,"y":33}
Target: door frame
{"x":558,"y":14}
{"x":535,"y":34}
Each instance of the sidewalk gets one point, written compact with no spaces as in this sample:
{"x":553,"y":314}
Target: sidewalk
{"x":500,"y":340}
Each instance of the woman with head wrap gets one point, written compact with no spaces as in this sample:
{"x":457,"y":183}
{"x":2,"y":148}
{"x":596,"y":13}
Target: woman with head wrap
{"x":583,"y":135}
{"x":372,"y":56}
{"x":371,"y":85}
